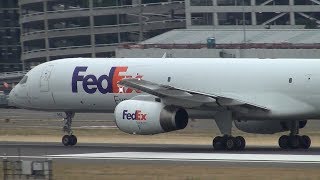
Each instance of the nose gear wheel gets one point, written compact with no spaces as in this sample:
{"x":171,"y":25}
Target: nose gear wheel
{"x":69,"y":140}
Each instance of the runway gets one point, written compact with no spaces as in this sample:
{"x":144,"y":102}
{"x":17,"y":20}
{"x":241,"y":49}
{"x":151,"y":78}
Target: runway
{"x":252,"y":156}
{"x":136,"y":153}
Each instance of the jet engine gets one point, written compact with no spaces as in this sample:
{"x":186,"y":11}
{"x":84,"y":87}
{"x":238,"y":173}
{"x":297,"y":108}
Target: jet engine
{"x":148,"y":117}
{"x":266,"y":127}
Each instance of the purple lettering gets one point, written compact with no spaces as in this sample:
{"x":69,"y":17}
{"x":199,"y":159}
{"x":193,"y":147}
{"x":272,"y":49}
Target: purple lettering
{"x":89,"y":80}
{"x":106,"y":90}
{"x":137,"y":115}
{"x":76,"y":77}
{"x":124,"y":113}
{"x":91,"y":83}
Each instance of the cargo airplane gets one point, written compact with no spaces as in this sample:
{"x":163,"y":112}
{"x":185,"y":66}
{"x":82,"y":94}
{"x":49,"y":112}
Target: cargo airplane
{"x":158,"y":95}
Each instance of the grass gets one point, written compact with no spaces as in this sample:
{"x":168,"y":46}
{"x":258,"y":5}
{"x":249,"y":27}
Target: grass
{"x":120,"y":171}
{"x":186,"y":172}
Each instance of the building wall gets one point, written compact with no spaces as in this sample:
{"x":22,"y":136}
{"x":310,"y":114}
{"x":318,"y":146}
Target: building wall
{"x":9,"y":36}
{"x":54,"y":29}
{"x":219,"y":53}
{"x":252,"y":13}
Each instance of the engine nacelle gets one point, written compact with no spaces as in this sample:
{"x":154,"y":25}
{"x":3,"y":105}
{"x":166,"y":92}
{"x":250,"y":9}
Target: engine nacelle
{"x":266,"y":127}
{"x":147,"y":117}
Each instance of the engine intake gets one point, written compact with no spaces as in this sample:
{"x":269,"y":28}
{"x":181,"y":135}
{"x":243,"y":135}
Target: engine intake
{"x":173,"y":118}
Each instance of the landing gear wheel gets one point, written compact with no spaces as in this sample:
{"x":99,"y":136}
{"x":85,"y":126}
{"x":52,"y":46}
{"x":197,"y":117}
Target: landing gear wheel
{"x":305,"y":142}
{"x":217,"y":143}
{"x":230,"y":143}
{"x":284,"y":142}
{"x":294,"y":141}
{"x":66,"y":140}
{"x":69,"y":140}
{"x":73,"y":140}
{"x":240,"y":143}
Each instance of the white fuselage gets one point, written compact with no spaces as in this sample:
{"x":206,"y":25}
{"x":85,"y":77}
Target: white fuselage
{"x":288,"y":87}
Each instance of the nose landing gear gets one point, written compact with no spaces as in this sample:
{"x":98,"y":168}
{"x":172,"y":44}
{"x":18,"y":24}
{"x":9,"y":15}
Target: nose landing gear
{"x":69,"y":139}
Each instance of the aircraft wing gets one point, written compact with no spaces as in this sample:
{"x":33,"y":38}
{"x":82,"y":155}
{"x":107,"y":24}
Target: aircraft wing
{"x":176,"y":96}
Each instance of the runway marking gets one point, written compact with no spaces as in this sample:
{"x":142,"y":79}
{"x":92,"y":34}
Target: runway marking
{"x":96,"y":127}
{"x":220,"y":157}
{"x":185,"y":157}
{"x":47,"y":127}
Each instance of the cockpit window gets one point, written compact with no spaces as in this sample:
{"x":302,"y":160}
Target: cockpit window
{"x":23,"y":80}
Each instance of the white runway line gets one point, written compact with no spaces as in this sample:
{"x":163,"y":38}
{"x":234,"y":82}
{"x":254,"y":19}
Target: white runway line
{"x":219,"y":157}
{"x":96,"y":127}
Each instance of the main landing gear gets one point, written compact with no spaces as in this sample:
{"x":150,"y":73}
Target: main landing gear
{"x":69,"y":139}
{"x":227,"y":141}
{"x":224,"y":120}
{"x":294,"y":140}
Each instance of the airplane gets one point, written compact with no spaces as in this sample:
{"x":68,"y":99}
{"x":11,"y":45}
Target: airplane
{"x":158,"y":95}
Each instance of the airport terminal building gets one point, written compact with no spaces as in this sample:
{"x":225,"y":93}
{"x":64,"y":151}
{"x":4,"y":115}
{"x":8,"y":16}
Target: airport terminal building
{"x":252,"y":13}
{"x":239,"y":29}
{"x":9,"y":36}
{"x":229,"y":43}
{"x":54,"y":29}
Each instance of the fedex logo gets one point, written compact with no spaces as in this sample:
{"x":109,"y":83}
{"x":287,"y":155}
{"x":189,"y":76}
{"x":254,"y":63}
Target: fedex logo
{"x":137,"y":115}
{"x":92,"y":84}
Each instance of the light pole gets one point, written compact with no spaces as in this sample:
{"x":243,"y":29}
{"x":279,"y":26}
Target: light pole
{"x":244,"y":31}
{"x":140,"y":22}
{"x":118,"y":22}
{"x":244,"y":23}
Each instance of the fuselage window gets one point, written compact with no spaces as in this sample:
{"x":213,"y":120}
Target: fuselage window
{"x":24,"y":80}
{"x":290,"y":80}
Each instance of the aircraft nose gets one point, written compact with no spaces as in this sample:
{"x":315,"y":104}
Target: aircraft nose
{"x":11,"y":100}
{"x":18,"y":97}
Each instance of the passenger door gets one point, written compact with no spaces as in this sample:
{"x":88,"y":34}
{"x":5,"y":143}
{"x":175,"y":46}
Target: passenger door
{"x":44,"y":79}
